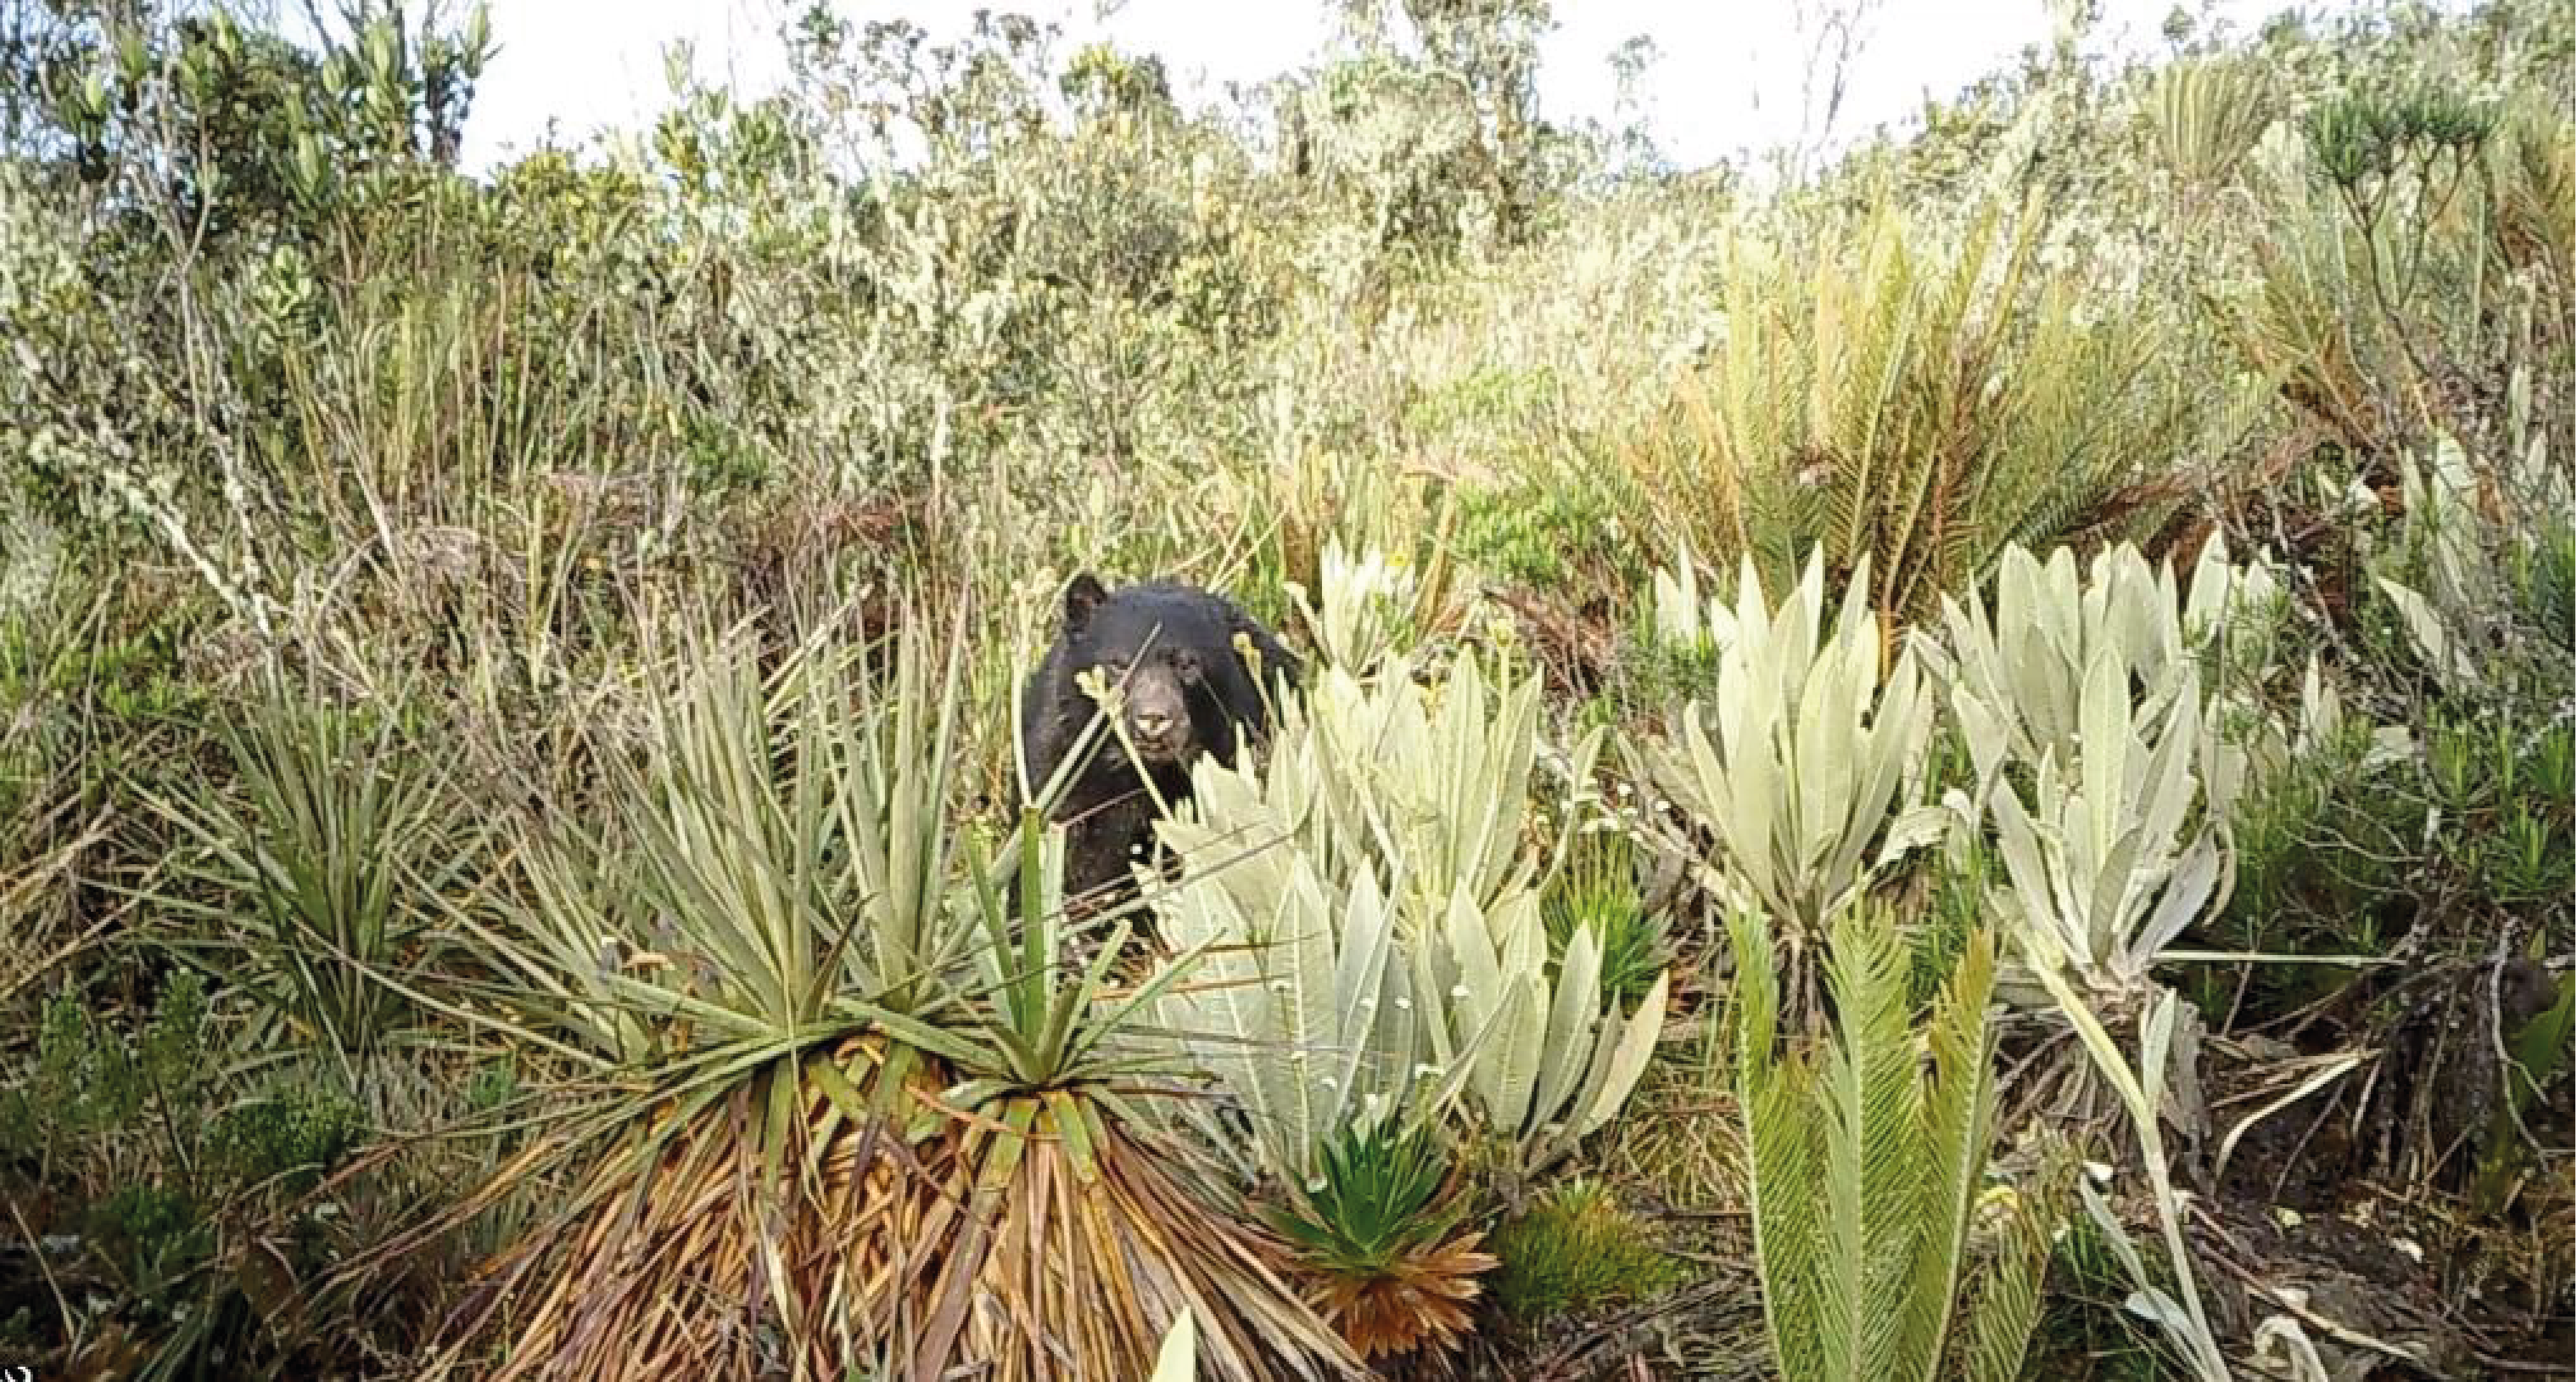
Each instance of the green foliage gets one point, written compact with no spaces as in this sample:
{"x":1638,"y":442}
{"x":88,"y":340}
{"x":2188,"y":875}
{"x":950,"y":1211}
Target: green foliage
{"x":1576,"y":1248}
{"x":1365,"y":607}
{"x":1883,"y":395}
{"x":791,"y":830}
{"x":2324,"y":846}
{"x":1304,"y":1005}
{"x":840,"y":965}
{"x":136,"y":1160}
{"x":1801,"y":759}
{"x":1376,"y":1198}
{"x":1961,"y":901}
{"x":1401,"y":143}
{"x":1378,"y":1227}
{"x":2142,"y":1090}
{"x":93,"y":692}
{"x":288,"y":1138}
{"x":91,"y":1083}
{"x":241,"y":125}
{"x":1661,"y":660}
{"x":2476,"y":572}
{"x":2402,"y":241}
{"x":1866,"y":1168}
{"x":2082,"y":1319}
{"x":2458,"y":676}
{"x":1597,"y":890}
{"x":2361,"y":140}
{"x":1568,"y":531}
{"x":316,"y":889}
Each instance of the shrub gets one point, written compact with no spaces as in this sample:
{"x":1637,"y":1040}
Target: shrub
{"x":1800,"y":761}
{"x":1881,"y":395}
{"x":1575,"y":1249}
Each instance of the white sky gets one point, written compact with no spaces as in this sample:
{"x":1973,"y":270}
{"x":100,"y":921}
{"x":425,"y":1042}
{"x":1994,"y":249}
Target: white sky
{"x":1728,"y":76}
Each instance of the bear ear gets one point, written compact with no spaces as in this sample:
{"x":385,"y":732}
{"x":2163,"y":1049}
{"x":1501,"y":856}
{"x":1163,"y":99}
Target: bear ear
{"x":1080,"y":599}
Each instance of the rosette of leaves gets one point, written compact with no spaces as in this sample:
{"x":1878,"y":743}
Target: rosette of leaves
{"x":1598,"y":891}
{"x":2109,"y":784}
{"x":1547,"y":1062}
{"x":1302,"y":1005}
{"x":306,"y":875}
{"x":1924,"y":397}
{"x":1367,"y":606}
{"x":2107,"y":859}
{"x":1334,"y":976}
{"x":1796,"y":762}
{"x":1077,"y":1208}
{"x":1433,"y":786}
{"x":2015,"y":672}
{"x":1380,"y":1229}
{"x":1319,"y":1038}
{"x":842,"y":1102}
{"x":2096,"y":755}
{"x":2205,"y":116}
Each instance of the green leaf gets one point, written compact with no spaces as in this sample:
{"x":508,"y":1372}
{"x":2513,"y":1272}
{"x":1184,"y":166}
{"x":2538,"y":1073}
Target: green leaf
{"x":1573,"y":1017}
{"x":1864,"y":1163}
{"x":1613,"y":1079}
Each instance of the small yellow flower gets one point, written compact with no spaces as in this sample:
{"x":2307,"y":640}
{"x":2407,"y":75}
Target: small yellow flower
{"x":1094,"y":683}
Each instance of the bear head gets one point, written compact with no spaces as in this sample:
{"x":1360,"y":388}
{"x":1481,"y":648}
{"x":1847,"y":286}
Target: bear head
{"x":1169,"y":653}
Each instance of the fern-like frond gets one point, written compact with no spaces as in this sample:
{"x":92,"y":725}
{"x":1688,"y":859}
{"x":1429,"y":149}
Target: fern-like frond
{"x":2207,"y":114}
{"x":1956,"y":1127}
{"x":1785,"y":1182}
{"x":2011,"y":1236}
{"x":1867,"y":1163}
{"x":1922,"y":403}
{"x":1872,"y":1150}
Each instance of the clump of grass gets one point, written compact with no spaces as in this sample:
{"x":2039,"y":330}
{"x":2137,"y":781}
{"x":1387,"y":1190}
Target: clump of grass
{"x":1575,"y":1249}
{"x":2083,"y":1329}
{"x":1598,"y":888}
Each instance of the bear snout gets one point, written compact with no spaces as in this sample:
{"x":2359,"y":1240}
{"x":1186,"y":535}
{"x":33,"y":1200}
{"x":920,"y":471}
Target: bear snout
{"x":1158,"y":716}
{"x":1161,"y":734}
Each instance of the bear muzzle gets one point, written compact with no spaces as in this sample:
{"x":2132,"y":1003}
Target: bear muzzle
{"x":1159,"y":735}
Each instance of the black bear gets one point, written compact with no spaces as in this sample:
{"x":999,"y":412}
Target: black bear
{"x":1183,"y":689}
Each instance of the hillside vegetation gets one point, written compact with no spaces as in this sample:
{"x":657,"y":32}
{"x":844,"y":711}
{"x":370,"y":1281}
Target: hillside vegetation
{"x":1953,"y":762}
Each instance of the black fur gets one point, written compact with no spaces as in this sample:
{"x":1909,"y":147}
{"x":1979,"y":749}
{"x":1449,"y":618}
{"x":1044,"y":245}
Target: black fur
{"x":1170,"y":648}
